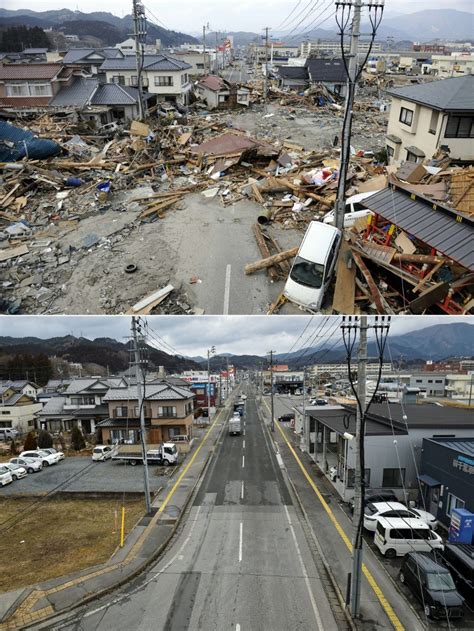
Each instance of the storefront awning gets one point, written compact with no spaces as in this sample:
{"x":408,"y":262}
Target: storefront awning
{"x":428,"y":480}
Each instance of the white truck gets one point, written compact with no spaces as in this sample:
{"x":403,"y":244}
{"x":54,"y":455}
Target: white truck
{"x":235,"y":424}
{"x":166,"y":454}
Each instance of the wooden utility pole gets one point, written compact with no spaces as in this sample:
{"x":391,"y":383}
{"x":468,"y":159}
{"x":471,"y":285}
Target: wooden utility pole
{"x":265,"y":89}
{"x":139,"y":35}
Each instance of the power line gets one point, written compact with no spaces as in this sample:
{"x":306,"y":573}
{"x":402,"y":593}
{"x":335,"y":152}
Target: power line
{"x":316,"y":22}
{"x":289,"y":15}
{"x":309,"y":12}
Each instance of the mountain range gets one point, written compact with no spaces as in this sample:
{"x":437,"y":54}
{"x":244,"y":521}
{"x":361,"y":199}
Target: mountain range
{"x":108,"y":28}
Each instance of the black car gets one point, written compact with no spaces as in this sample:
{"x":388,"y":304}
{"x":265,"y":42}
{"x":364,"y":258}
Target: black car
{"x":286,"y":418}
{"x":372,"y":496}
{"x":431,"y":582}
{"x":459,"y":558}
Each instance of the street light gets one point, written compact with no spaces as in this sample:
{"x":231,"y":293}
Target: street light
{"x":210,"y":351}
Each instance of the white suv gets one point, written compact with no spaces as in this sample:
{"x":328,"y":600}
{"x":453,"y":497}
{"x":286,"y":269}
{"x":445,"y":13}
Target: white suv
{"x":46,"y":458}
{"x":5,"y":476}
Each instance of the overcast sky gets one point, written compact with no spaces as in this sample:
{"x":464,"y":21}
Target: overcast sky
{"x":246,"y":15}
{"x":191,"y":336}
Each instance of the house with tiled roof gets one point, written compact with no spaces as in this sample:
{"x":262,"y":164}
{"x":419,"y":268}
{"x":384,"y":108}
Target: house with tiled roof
{"x":168,"y":409}
{"x":31,"y":86}
{"x":430,"y":116}
{"x":221,"y":94}
{"x":17,"y":410}
{"x":162,"y":75}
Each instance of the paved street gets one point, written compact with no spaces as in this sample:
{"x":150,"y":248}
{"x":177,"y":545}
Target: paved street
{"x":241,"y":562}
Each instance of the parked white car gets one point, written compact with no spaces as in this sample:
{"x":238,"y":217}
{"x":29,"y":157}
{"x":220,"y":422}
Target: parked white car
{"x":32,"y":465}
{"x":51,"y":450}
{"x":374,"y":511}
{"x":46,"y":459}
{"x":16,"y":470}
{"x":354,"y":210}
{"x":396,"y":537}
{"x":102,"y":452}
{"x":5,"y":476}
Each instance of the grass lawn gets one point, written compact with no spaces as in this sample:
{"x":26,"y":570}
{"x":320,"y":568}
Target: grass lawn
{"x":57,"y":537}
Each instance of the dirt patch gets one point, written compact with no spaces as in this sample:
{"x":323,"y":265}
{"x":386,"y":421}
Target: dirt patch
{"x":58,"y":537}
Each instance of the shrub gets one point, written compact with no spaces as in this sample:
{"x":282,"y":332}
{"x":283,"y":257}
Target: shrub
{"x":45,"y":440}
{"x":77,"y":439}
{"x":30,"y":442}
{"x":13,"y":448}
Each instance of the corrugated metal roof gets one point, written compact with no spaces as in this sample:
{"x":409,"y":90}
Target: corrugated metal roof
{"x":330,"y":70}
{"x":440,"y":227}
{"x":424,"y":415}
{"x":461,"y":445}
{"x":293,"y":72}
{"x":453,"y":94}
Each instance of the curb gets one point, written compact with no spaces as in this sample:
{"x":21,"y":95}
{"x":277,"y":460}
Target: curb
{"x":139,"y":569}
{"x":327,"y":567}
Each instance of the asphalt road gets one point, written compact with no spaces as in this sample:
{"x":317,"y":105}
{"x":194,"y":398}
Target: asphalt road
{"x":237,"y":74}
{"x":241,"y":562}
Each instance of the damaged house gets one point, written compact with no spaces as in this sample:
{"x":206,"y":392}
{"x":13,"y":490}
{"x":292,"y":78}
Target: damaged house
{"x":220,"y":94}
{"x":331,"y":73}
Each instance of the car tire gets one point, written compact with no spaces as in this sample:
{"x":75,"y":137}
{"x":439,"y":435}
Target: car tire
{"x":390,"y":553}
{"x":45,"y":464}
{"x":132,"y":463}
{"x":30,"y":470}
{"x":166,"y":463}
{"x":402,"y":577}
{"x":14,"y":477}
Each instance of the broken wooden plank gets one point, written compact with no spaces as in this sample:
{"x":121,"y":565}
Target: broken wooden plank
{"x":374,"y":292}
{"x":162,"y":205}
{"x":424,"y":281}
{"x":431,"y":296}
{"x":161,"y":294}
{"x":271,"y":260}
{"x":272,"y":272}
{"x":257,"y":194}
{"x":344,"y":291}
{"x":11,"y":253}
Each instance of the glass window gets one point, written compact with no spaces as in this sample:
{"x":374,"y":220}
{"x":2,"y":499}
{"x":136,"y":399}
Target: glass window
{"x":306,"y":273}
{"x":441,"y":582}
{"x":406,"y":116}
{"x":120,"y":79}
{"x":40,"y":89}
{"x":167,"y":411}
{"x":460,"y":127}
{"x":393,"y":478}
{"x":411,"y":157}
{"x":433,"y":122}
{"x":163,"y":81}
{"x":17,"y":89}
{"x":453,"y":502}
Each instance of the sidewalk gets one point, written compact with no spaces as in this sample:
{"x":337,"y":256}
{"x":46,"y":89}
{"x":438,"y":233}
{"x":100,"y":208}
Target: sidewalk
{"x":143,"y":545}
{"x":382,"y":605}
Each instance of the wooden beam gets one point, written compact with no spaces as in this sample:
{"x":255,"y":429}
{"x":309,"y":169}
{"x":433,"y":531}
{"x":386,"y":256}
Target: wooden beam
{"x":374,"y":292}
{"x":268,"y":262}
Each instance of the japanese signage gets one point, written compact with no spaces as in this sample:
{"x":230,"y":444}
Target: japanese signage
{"x":463,"y":463}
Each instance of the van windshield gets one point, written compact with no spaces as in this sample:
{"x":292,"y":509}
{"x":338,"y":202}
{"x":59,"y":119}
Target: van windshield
{"x":442,"y":582}
{"x":307,"y":273}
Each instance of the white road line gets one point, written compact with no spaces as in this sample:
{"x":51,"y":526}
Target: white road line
{"x":243,"y":445}
{"x":317,"y":615}
{"x":241,"y":541}
{"x":116,"y":600}
{"x":242,"y":491}
{"x":243,"y":462}
{"x":227,"y":289}
{"x":237,"y":627}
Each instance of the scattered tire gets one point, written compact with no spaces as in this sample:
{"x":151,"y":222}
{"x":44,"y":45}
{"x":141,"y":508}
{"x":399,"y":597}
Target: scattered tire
{"x":131,"y":268}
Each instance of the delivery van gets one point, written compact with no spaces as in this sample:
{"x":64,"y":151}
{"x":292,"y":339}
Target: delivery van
{"x":396,"y":536}
{"x":313,"y":266}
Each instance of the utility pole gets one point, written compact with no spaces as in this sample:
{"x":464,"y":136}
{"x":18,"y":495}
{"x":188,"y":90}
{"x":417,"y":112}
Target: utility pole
{"x":305,"y":424}
{"x":353,"y":72}
{"x":359,"y":477}
{"x":139,"y":35}
{"x":265,"y":88}
{"x":204,"y":28}
{"x":210,"y":351}
{"x":228,"y":380}
{"x":272,"y":423}
{"x":141,"y":407}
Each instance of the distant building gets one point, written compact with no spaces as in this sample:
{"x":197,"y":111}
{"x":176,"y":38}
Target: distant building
{"x":333,"y":47}
{"x":221,"y":94}
{"x":454,"y":65}
{"x":31,"y":86}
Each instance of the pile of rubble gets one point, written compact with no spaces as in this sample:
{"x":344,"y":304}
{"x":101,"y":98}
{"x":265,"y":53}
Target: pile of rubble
{"x":149,"y":169}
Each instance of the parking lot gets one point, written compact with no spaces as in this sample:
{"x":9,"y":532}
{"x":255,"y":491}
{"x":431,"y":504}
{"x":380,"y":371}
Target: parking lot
{"x":81,"y":474}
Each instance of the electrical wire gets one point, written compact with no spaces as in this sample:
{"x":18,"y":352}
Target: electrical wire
{"x":315,"y":23}
{"x":283,"y":23}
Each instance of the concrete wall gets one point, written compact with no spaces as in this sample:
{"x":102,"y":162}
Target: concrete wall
{"x":20,"y":417}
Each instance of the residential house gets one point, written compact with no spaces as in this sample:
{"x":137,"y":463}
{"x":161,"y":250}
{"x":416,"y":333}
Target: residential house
{"x":430,"y":116}
{"x":34,"y":54}
{"x":393,"y":441}
{"x":333,"y":47}
{"x":446,"y":476}
{"x":454,"y":65}
{"x":17,"y":410}
{"x":127,"y":47}
{"x":163,"y":75}
{"x":103,"y":103}
{"x":81,"y":405}
{"x":221,"y":94}
{"x":31,"y":86}
{"x":25,"y":386}
{"x":200,"y":62}
{"x":89,"y":60}
{"x":292,"y":77}
{"x":331,"y":73}
{"x":56,"y":385}
{"x":168,"y":410}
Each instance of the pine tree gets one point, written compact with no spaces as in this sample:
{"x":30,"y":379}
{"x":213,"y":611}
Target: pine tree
{"x":45,"y":440}
{"x":30,"y":442}
{"x":77,"y":439}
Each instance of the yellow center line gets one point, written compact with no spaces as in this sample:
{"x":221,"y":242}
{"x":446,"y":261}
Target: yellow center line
{"x":371,"y":580}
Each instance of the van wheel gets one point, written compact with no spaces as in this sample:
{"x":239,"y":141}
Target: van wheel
{"x":166,"y":463}
{"x":402,"y":577}
{"x":427,"y":611}
{"x":133,"y":463}
{"x":390,"y":553}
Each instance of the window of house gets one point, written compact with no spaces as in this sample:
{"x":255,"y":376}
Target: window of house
{"x":434,"y":122}
{"x":453,"y":502}
{"x":40,"y":89}
{"x":412,"y":157}
{"x":351,"y":478}
{"x":390,"y":151}
{"x":163,"y":81}
{"x":120,"y":79}
{"x":393,"y":478}
{"x":167,"y":411}
{"x":200,"y":66}
{"x":6,"y":413}
{"x":17,"y":89}
{"x":460,"y":127}
{"x":134,"y":80}
{"x":121,"y":411}
{"x":184,"y":79}
{"x":406,"y":116}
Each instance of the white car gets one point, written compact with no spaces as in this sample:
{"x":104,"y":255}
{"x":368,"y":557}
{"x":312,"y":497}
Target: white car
{"x":46,"y":458}
{"x":102,"y":452}
{"x":32,"y":465}
{"x":354,"y":210}
{"x":5,"y":476}
{"x":51,"y":450}
{"x":374,"y":511}
{"x":17,"y":470}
